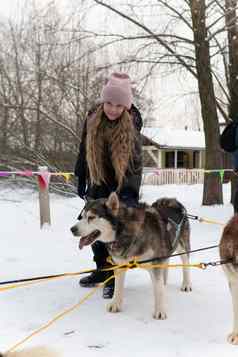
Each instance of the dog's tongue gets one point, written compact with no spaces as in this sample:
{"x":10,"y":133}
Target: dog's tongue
{"x":89,"y":239}
{"x":84,"y":241}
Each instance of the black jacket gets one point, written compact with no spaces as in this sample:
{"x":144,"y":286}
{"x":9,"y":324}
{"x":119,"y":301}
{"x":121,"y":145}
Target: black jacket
{"x":129,"y":192}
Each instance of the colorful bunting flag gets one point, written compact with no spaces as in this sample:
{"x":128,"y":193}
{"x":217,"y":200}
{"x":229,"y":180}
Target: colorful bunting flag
{"x":222,"y":172}
{"x":44,"y":179}
{"x":4,"y":173}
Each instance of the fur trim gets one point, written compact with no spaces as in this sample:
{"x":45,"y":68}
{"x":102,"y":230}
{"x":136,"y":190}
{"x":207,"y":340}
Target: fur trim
{"x":117,"y":140}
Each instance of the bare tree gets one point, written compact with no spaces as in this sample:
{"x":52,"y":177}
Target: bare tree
{"x":212,"y":186}
{"x":232,"y":71}
{"x":232,"y":34}
{"x":198,"y":64}
{"x":48,"y":81}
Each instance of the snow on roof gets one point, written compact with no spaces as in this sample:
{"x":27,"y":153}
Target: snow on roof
{"x":175,"y":138}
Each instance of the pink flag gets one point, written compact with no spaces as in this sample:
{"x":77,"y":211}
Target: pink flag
{"x":44,"y":179}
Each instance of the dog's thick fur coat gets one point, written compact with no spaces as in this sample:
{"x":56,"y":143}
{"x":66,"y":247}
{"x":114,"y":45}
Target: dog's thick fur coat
{"x":32,"y":352}
{"x":144,"y":232}
{"x":229,"y":251}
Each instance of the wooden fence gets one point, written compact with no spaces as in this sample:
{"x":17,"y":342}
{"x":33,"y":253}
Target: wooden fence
{"x":151,"y":176}
{"x":154,"y":176}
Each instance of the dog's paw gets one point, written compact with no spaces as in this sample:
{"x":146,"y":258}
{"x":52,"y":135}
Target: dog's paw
{"x":186,"y":288}
{"x":114,"y":307}
{"x":160,"y":315}
{"x":233,"y":338}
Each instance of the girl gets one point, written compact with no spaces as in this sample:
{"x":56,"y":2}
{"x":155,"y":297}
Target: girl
{"x":110,"y":159}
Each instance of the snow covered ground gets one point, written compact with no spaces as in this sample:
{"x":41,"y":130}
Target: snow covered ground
{"x":197,"y":324}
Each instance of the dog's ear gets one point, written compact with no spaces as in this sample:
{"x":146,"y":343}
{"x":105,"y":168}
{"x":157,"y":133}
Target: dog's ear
{"x":113,"y":203}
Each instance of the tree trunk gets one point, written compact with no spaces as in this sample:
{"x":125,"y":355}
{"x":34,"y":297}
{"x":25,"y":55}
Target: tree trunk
{"x":38,"y":131}
{"x":4,"y":129}
{"x":232,"y":34}
{"x":212,"y":192}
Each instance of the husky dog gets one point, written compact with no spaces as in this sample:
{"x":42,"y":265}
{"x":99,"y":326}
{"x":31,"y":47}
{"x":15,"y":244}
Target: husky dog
{"x":229,"y":251}
{"x":144,"y":232}
{"x":31,"y":352}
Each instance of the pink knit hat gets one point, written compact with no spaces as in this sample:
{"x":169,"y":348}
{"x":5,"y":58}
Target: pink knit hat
{"x":118,"y":90}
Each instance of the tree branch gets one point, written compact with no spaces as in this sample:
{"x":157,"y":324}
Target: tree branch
{"x":146,"y":29}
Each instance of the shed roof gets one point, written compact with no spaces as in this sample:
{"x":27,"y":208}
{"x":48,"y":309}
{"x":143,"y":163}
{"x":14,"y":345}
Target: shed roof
{"x":175,"y":138}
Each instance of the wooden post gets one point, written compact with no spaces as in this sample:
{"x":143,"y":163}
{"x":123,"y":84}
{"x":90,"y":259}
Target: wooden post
{"x":44,"y":200}
{"x":175,"y":159}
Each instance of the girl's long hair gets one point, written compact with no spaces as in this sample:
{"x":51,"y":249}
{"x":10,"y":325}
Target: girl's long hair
{"x":120,"y":140}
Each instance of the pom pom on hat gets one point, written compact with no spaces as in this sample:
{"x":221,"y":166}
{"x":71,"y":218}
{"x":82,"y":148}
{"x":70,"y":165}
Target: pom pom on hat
{"x":118,"y":90}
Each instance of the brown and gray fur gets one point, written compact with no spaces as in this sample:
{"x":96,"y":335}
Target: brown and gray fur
{"x":139,"y":232}
{"x":32,"y":352}
{"x":229,"y":251}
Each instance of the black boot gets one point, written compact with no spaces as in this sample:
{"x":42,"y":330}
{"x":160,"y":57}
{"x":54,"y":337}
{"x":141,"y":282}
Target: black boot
{"x":100,"y":257}
{"x":93,"y":279}
{"x":108,"y":289}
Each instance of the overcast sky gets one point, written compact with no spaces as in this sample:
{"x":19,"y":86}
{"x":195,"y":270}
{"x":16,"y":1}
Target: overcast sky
{"x":9,"y":8}
{"x":167,"y":93}
{"x":6,"y":7}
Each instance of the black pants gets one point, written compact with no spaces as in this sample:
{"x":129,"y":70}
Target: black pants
{"x":235,"y":202}
{"x":100,"y":253}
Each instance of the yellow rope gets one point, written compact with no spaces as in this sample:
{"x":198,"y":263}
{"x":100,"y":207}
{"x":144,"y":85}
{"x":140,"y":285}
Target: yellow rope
{"x":166,"y":266}
{"x":210,"y":221}
{"x":22,"y":285}
{"x":136,"y":264}
{"x":15,"y":286}
{"x":58,"y":317}
{"x":130,"y":265}
{"x":36,"y":281}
